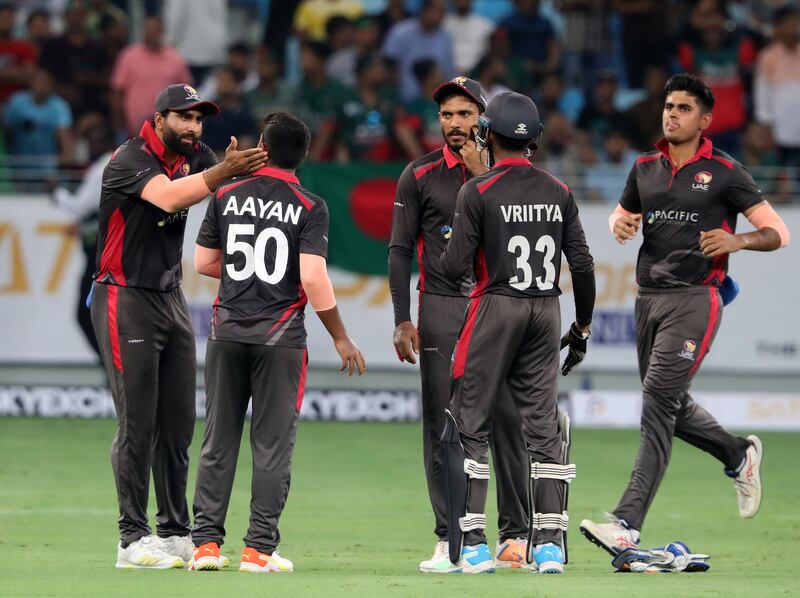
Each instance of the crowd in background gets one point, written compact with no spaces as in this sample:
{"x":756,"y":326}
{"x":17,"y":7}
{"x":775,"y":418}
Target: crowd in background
{"x":78,"y":77}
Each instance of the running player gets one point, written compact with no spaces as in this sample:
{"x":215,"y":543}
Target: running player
{"x":513,"y":223}
{"x":690,"y":194}
{"x":422,"y":218}
{"x":266,"y":238}
{"x":141,"y":321}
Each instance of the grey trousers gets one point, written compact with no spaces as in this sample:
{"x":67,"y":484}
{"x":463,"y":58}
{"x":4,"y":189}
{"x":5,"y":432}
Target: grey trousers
{"x":512,"y":341}
{"x":147,"y":346}
{"x":675,"y":330}
{"x":440,"y":319}
{"x":275,"y":378}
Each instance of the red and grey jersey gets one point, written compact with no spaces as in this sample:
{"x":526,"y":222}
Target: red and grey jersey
{"x":422,"y":217}
{"x":140,"y":245}
{"x":676,"y":204}
{"x":513,"y":223}
{"x":262,"y":223}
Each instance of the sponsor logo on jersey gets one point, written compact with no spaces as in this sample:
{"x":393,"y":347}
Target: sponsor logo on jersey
{"x":702,"y":180}
{"x":185,"y":169}
{"x":689,"y":349}
{"x":677,"y":217}
{"x":173,"y":218}
{"x":447,"y":231}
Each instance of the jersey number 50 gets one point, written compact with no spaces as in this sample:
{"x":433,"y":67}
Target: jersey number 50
{"x":254,"y":255}
{"x":545,"y":245}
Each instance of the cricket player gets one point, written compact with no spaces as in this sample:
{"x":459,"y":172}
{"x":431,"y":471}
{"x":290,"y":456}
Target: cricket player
{"x":685,"y":197}
{"x":422,"y":219}
{"x":513,"y":223}
{"x":141,"y":320}
{"x":266,"y":238}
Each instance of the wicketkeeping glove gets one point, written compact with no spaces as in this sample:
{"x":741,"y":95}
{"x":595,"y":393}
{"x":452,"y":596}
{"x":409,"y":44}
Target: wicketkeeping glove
{"x":577,"y":348}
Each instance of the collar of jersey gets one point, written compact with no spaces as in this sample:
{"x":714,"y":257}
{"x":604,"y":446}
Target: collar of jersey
{"x":513,"y":162}
{"x":153,"y":141}
{"x":450,"y":158}
{"x":277,"y":173}
{"x":704,"y":150}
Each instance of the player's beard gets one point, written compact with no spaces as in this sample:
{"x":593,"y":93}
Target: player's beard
{"x":454,"y":147}
{"x":172,"y":139}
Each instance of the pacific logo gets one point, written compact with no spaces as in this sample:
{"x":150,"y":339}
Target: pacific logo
{"x":702,"y":180}
{"x":447,"y":232}
{"x":651,"y":217}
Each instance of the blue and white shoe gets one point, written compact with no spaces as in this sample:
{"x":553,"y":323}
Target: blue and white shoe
{"x":474,"y":559}
{"x":548,"y":558}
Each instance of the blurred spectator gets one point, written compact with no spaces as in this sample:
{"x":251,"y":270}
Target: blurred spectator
{"x":586,"y":41}
{"x":601,"y":114}
{"x":272,"y":93}
{"x":143,"y":69}
{"x":645,"y":36}
{"x":470,"y":34}
{"x":394,"y":13}
{"x":645,"y":115}
{"x":17,"y":57}
{"x":519,"y":78}
{"x":342,"y":64}
{"x":421,"y":131}
{"x":240,"y":61}
{"x":369,"y":116}
{"x":38,"y":123}
{"x":37,"y":29}
{"x":319,"y":99}
{"x":79,"y":63}
{"x":100,"y":13}
{"x":777,"y":87}
{"x":532,"y":38}
{"x":760,"y":155}
{"x":722,"y":61}
{"x":415,"y":39}
{"x":558,"y":153}
{"x":234,"y":117}
{"x":492,"y":74}
{"x":551,"y":97}
{"x":199,"y":31}
{"x":115,"y":35}
{"x":339,"y":33}
{"x":605,"y":180}
{"x":312,"y":16}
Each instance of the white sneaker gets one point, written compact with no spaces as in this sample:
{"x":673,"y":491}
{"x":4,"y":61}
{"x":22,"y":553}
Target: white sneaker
{"x":612,"y":536}
{"x":748,"y":480}
{"x":180,"y":546}
{"x":147,"y":553}
{"x":440,"y":552}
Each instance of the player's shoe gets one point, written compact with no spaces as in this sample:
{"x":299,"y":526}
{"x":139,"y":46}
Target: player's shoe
{"x":474,"y":559}
{"x":548,"y":558}
{"x":748,"y":480}
{"x":511,"y":554}
{"x":147,"y":553}
{"x":254,"y":561}
{"x":180,"y":546}
{"x":206,"y":558}
{"x":613,"y":537}
{"x":439,"y":553}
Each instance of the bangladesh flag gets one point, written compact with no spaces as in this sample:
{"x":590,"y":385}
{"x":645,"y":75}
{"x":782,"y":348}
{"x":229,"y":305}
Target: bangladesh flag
{"x":360,"y":198}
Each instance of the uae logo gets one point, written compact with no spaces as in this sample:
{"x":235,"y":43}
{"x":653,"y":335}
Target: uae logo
{"x":185,"y":169}
{"x":522,"y":129}
{"x":460,"y":80}
{"x":191,"y":93}
{"x":689,"y":348}
{"x":701,"y":180}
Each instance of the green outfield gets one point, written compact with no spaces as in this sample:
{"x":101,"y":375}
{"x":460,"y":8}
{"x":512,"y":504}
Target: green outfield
{"x":357,"y":522}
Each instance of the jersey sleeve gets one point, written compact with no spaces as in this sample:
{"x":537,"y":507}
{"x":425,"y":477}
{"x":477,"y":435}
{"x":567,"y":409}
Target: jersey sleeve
{"x":314,"y":231}
{"x":630,"y":199}
{"x":467,"y":233}
{"x":743,"y":192}
{"x":405,"y":214}
{"x":208,"y":236}
{"x":581,"y":263}
{"x":207,"y":158}
{"x":130,"y":170}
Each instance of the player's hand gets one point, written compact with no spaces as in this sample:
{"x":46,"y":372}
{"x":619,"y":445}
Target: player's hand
{"x":245,"y":161}
{"x":352,"y":359}
{"x":406,"y":342}
{"x":626,"y":227}
{"x":719,"y":242}
{"x":577,"y":348}
{"x":471,"y":156}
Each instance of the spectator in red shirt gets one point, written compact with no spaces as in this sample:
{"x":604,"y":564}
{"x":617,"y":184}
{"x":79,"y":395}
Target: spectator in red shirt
{"x":17,"y":57}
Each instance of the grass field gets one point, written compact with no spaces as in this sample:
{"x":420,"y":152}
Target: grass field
{"x":358,"y":522}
